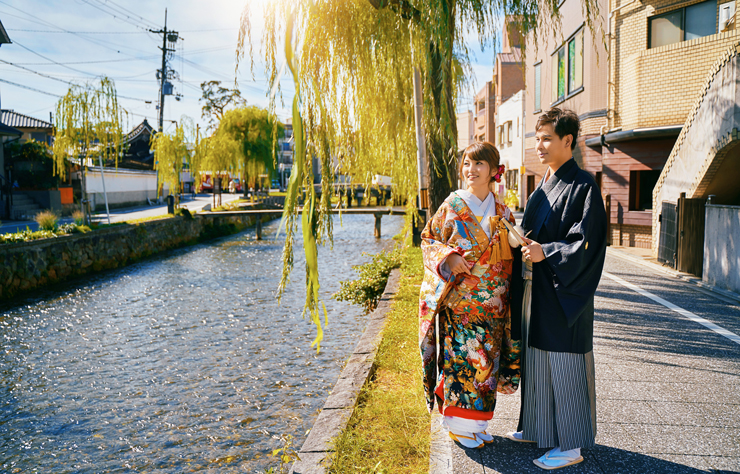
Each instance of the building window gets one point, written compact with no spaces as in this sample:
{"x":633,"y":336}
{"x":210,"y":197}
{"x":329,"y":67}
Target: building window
{"x":694,"y":21}
{"x":508,"y":132}
{"x":537,"y":87}
{"x":567,"y":67}
{"x":641,"y":189}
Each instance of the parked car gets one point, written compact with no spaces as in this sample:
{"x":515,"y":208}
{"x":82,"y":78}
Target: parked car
{"x":237,"y":184}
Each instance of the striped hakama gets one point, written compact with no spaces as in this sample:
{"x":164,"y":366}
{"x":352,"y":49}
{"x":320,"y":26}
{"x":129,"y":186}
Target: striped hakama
{"x":558,"y":391}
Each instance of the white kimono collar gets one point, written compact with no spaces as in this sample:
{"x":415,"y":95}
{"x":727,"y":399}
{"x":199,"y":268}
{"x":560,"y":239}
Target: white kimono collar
{"x":483,"y":209}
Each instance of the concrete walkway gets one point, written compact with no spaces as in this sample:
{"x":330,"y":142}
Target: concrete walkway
{"x":668,"y":389}
{"x":128,"y":213}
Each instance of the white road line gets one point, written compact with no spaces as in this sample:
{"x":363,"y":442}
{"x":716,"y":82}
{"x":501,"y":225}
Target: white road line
{"x":687,"y":314}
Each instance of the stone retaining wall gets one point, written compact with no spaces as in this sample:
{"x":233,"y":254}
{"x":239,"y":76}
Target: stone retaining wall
{"x":318,"y":447}
{"x":26,"y":266}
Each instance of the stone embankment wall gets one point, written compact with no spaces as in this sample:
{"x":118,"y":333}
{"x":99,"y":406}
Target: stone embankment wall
{"x":26,"y":266}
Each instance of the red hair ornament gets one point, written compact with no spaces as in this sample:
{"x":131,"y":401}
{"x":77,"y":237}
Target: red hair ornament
{"x":498,"y":175}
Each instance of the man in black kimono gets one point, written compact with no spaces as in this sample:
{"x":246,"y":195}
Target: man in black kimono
{"x":566,"y":223}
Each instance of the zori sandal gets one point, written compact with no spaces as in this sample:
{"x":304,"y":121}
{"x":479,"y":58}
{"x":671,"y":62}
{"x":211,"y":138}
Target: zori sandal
{"x":485,"y":437}
{"x":556,"y":461}
{"x":470,"y":442}
{"x":518,"y":436}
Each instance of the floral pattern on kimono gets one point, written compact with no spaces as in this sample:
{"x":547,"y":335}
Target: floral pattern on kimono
{"x":480,"y":357}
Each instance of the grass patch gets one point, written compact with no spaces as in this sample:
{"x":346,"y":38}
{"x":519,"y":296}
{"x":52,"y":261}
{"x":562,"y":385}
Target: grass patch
{"x":389,"y":429}
{"x":147,"y":219}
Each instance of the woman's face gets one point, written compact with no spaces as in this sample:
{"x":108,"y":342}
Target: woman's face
{"x":476,"y":173}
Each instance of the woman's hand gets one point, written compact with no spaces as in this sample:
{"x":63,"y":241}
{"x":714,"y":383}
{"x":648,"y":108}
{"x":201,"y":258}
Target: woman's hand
{"x":532,"y":251}
{"x":457,"y":264}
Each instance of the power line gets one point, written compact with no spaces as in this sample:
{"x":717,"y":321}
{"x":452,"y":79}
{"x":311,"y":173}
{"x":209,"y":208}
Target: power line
{"x":81,"y":32}
{"x":29,"y":88}
{"x":121,"y":8}
{"x":110,"y":11}
{"x":51,"y":60}
{"x":147,"y":58}
{"x":90,"y":40}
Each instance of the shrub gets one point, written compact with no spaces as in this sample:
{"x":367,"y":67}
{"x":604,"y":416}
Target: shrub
{"x":373,"y":276}
{"x":512,"y":198}
{"x":184,"y":212}
{"x":79,"y":217}
{"x":47,"y":220}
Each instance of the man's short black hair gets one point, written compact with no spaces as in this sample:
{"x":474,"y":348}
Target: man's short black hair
{"x":564,"y":121}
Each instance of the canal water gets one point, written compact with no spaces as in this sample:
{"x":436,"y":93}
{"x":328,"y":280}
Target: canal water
{"x":181,"y":363}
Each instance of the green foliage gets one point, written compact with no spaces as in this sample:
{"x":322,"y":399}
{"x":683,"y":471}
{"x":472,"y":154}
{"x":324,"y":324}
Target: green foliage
{"x":512,"y":198}
{"x":243,"y":145}
{"x":47,"y":220}
{"x":27,"y":236}
{"x":78,"y":216}
{"x":170,"y":156}
{"x":215,"y":98}
{"x":371,"y":281}
{"x":184,"y":212}
{"x":33,"y":165}
{"x":89,"y":123}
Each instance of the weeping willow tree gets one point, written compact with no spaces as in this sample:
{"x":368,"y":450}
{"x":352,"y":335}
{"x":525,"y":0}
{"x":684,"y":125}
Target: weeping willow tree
{"x":89,"y":124}
{"x":352,"y":63}
{"x":242,"y":145}
{"x":171,"y":154}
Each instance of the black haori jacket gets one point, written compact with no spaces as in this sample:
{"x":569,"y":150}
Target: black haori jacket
{"x":566,"y":216}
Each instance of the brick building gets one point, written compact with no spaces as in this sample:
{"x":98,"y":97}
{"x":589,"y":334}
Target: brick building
{"x":507,"y":80}
{"x":484,"y":119}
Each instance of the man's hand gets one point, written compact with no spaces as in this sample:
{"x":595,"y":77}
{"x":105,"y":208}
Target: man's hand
{"x":532,"y":251}
{"x":457,"y":264}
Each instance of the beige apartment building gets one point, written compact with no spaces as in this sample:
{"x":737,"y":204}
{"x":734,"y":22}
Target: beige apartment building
{"x":662,"y":52}
{"x":567,"y":70}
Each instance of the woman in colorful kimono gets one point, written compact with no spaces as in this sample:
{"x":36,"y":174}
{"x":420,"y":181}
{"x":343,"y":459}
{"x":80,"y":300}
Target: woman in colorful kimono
{"x":464,"y":302}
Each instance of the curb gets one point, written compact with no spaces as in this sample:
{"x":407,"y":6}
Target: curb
{"x":440,"y":447}
{"x":724,"y":295}
{"x":338,"y":408}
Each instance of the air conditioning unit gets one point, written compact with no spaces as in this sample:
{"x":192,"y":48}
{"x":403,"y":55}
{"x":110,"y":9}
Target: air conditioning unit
{"x":726,"y":17}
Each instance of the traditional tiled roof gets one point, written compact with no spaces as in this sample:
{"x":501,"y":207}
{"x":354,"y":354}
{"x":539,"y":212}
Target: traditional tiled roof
{"x":139,"y":129}
{"x":14,"y":119}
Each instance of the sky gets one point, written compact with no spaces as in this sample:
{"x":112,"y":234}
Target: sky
{"x":58,"y":42}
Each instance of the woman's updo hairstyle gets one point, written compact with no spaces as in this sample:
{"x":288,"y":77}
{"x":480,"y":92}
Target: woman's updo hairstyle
{"x":481,"y":151}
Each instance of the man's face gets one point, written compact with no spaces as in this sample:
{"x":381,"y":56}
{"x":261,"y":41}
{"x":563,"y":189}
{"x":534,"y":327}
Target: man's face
{"x":550,"y":148}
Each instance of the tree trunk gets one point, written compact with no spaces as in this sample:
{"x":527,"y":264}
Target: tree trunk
{"x":441,"y":140}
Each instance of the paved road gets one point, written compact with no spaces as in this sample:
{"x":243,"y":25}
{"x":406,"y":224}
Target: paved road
{"x":125,"y":214}
{"x":668,"y":388}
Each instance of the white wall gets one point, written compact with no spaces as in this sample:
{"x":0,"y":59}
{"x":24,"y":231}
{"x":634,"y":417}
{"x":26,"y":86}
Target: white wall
{"x":722,"y":247}
{"x":124,"y":187}
{"x":512,"y":151}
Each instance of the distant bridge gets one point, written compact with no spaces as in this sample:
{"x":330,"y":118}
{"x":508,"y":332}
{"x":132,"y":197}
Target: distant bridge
{"x":378,"y":212}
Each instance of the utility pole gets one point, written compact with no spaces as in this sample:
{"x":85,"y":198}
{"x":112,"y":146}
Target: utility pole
{"x":164,"y":74}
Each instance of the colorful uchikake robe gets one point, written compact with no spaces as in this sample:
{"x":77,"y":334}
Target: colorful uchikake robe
{"x":480,"y":357}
